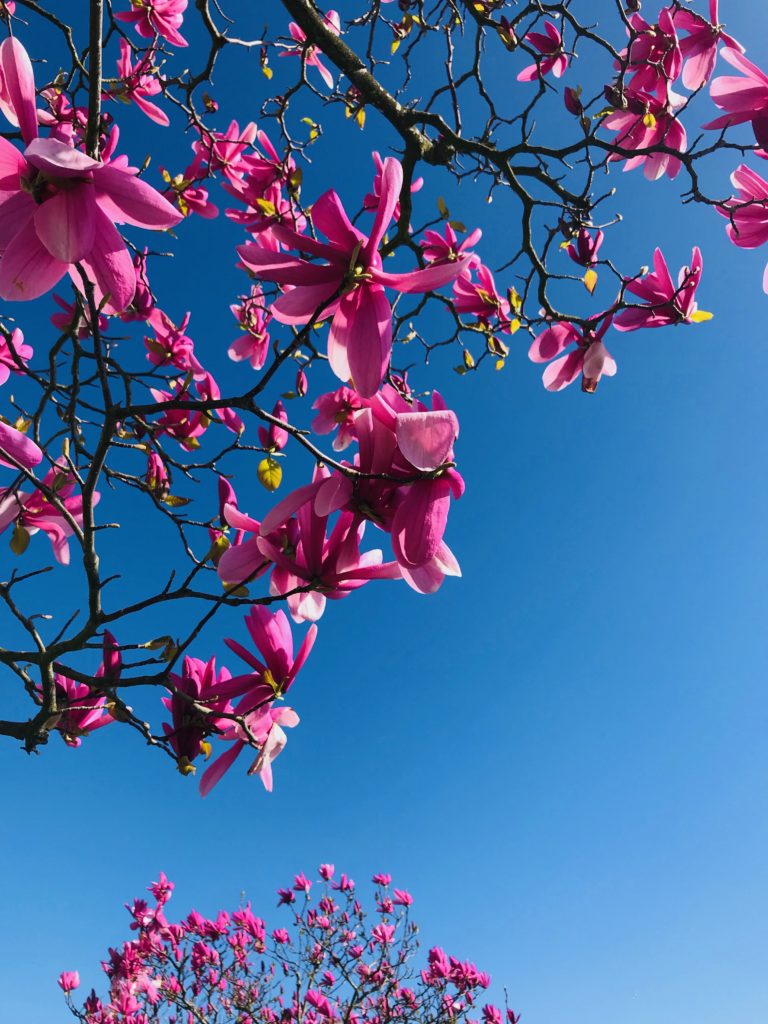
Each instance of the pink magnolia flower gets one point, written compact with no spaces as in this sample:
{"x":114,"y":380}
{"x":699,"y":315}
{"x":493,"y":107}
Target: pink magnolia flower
{"x":312,"y":54}
{"x":68,"y":980}
{"x":225,"y":152}
{"x":81,"y":711}
{"x":14,"y":353}
{"x":481,"y":299}
{"x":645,"y":124}
{"x":157,"y":18}
{"x":253,"y":317}
{"x":590,"y":358}
{"x":550,"y":47}
{"x":744,"y":97}
{"x":664,"y":302}
{"x":74,"y":317}
{"x":266,"y":728}
{"x":349,"y":285}
{"x":199,"y":696}
{"x":35,"y":512}
{"x":138,"y":81}
{"x":372,"y":199}
{"x":143,"y":302}
{"x":655,"y":58}
{"x":337,"y":409}
{"x":748,"y":213}
{"x":58,"y":207}
{"x":383,"y":934}
{"x":446,"y":248}
{"x":586,"y":247}
{"x":699,"y":47}
{"x":274,"y":438}
{"x":171,"y":346}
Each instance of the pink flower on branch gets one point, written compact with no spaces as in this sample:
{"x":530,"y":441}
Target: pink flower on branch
{"x":310,"y":53}
{"x":748,"y":212}
{"x":138,"y":81}
{"x":590,"y":358}
{"x":699,"y":47}
{"x":59,"y":207}
{"x":665,"y":303}
{"x":549,"y":45}
{"x":348,"y":286}
{"x":744,"y":98}
{"x":153,"y":18}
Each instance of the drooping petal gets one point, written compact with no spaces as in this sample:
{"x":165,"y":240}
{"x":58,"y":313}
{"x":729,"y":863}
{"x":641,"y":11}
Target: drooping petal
{"x":109,"y":266}
{"x":27,"y":269}
{"x":420,"y":520}
{"x":362,"y":327}
{"x":213,"y":774}
{"x":66,"y":223}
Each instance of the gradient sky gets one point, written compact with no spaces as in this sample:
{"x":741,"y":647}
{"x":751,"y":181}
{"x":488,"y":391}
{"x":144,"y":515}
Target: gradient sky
{"x":561,"y":755}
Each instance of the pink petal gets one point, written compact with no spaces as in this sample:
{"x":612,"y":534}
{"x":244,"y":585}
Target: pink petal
{"x":420,"y":520}
{"x":66,"y":223}
{"x":129,"y":200}
{"x":391,"y":184}
{"x":109,"y":266}
{"x":434,"y":276}
{"x":213,"y":774}
{"x":306,"y":302}
{"x":16,"y":214}
{"x":426,"y":438}
{"x":19,"y":447}
{"x":19,"y":79}
{"x":58,"y":159}
{"x":330,"y":217}
{"x":362,"y":327}
{"x":27,"y":269}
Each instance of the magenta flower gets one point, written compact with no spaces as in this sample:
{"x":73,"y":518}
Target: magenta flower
{"x":446,"y":248}
{"x":81,"y":711}
{"x":312,"y":54}
{"x":337,"y":409}
{"x":58,"y":207}
{"x":349,"y":285}
{"x":481,"y":299}
{"x":586,"y":247}
{"x":68,"y":980}
{"x":550,"y":47}
{"x":655,"y":58}
{"x":645,"y":124}
{"x":35,"y":512}
{"x":224,"y":153}
{"x":372,"y":199}
{"x":664,"y":302}
{"x":253,"y":318}
{"x":744,"y":98}
{"x":74,"y":318}
{"x":138,"y":81}
{"x":199,"y":696}
{"x":157,"y":18}
{"x":748,"y":214}
{"x":699,"y":47}
{"x":274,"y":438}
{"x":171,"y":345}
{"x":14,"y":353}
{"x":590,"y":358}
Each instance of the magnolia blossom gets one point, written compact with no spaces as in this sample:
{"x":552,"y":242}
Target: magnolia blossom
{"x":157,"y":18}
{"x":348,"y":286}
{"x":748,"y":213}
{"x":646,"y":124}
{"x":550,"y":46}
{"x":59,"y":207}
{"x":744,"y":97}
{"x":590,"y":358}
{"x":14,"y":353}
{"x":664,"y":302}
{"x":311,"y":54}
{"x":138,"y":81}
{"x":699,"y":47}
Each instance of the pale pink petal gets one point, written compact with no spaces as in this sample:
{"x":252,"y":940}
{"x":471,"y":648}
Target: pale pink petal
{"x":58,"y":159}
{"x":109,"y":266}
{"x":132,"y":201}
{"x":19,"y":79}
{"x":426,"y":438}
{"x":362,"y":327}
{"x":27,"y":269}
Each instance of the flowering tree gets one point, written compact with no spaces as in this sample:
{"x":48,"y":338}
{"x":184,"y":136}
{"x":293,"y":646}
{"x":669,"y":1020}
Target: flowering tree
{"x":335,"y":961}
{"x":117,"y":414}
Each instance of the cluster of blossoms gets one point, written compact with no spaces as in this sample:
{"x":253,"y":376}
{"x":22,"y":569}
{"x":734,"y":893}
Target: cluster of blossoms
{"x":323,"y":287}
{"x":331,"y":961}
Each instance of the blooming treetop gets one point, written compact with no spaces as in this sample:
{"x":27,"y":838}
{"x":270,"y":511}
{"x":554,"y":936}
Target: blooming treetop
{"x":330,"y":959}
{"x":121,"y":417}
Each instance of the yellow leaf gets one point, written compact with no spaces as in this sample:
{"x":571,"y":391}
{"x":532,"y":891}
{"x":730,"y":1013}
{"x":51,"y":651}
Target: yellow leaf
{"x":266,"y":70}
{"x":270,"y":473}
{"x":700,"y":316}
{"x":442,"y":208}
{"x":500,"y":364}
{"x":457,"y":225}
{"x":469,"y":360}
{"x":172,"y":501}
{"x":395,"y":46}
{"x":360,"y":117}
{"x":514,"y":326}
{"x":590,"y":280}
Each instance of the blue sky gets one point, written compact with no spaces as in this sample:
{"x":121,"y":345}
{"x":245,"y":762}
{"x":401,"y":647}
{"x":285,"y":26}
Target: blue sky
{"x":561,"y":755}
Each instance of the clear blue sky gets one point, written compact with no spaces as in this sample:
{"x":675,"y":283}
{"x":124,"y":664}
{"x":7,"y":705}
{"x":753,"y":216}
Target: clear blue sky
{"x":562,"y":755}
